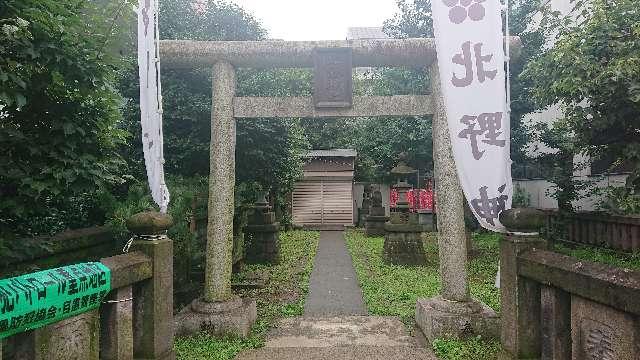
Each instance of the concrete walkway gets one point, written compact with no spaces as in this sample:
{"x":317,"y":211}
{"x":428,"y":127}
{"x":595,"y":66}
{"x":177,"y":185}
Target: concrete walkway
{"x":333,"y":326}
{"x":333,"y":287}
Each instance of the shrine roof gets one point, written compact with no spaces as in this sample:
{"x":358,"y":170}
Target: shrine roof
{"x":331,"y":153}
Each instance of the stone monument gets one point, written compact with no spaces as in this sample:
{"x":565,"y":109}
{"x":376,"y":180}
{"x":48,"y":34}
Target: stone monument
{"x":374,"y":223}
{"x":402,"y":240}
{"x":366,"y":205}
{"x":261,"y":235}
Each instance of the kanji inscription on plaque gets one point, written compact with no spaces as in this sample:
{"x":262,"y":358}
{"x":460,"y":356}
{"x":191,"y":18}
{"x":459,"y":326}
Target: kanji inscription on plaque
{"x":332,"y":82}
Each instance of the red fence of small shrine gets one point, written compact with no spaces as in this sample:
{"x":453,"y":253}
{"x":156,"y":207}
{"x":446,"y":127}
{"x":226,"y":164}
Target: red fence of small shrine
{"x":418,"y":199}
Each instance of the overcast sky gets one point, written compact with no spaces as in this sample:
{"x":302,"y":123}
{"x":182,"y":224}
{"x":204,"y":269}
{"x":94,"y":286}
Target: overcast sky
{"x":317,"y":19}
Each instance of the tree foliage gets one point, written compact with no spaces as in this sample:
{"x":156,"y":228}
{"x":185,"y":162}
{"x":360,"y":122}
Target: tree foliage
{"x":267,"y":151}
{"x":58,"y":110}
{"x":593,"y":73}
{"x":379,"y":141}
{"x":415,"y":21}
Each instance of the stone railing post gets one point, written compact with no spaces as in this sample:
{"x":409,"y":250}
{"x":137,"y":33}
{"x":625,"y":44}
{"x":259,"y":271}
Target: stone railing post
{"x":116,"y":321}
{"x":520,"y":297}
{"x":153,"y":298}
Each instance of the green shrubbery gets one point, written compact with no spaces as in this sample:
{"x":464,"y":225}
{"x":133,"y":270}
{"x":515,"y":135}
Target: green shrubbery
{"x":284,"y":296}
{"x":70,"y":117}
{"x":59,"y":113}
{"x":393,"y":290}
{"x":593,"y":73}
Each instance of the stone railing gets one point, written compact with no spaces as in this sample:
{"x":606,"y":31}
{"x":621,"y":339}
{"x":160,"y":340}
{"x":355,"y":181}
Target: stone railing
{"x":134,"y":321}
{"x":559,"y":307}
{"x":597,"y":229}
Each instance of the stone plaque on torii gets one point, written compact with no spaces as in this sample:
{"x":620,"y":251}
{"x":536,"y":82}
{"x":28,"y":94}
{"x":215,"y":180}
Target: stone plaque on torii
{"x":220,"y":312}
{"x":332,"y":77}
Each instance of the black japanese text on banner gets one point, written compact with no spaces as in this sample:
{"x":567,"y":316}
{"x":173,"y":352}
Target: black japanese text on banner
{"x":469,"y":43}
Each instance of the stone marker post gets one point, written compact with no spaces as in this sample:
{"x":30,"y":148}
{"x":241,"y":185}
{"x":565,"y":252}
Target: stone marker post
{"x":219,"y":312}
{"x":153,"y":298}
{"x":453,"y":313}
{"x":519,"y":297}
{"x":116,"y":323}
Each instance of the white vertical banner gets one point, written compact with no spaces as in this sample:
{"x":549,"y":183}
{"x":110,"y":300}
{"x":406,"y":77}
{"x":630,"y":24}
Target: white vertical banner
{"x":151,"y":100}
{"x":469,"y":43}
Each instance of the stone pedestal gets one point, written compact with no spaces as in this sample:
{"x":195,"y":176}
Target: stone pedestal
{"x":374,"y":223}
{"x":439,"y":318}
{"x":261,"y":236}
{"x":231,"y":317}
{"x":403,"y":243}
{"x":262,"y":243}
{"x":425,"y":219}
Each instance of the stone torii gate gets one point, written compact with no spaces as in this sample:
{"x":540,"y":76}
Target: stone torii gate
{"x":218,"y":311}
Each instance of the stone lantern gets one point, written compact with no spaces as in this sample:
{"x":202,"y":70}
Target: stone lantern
{"x":401,"y":172}
{"x":374,"y":223}
{"x":402,"y":240}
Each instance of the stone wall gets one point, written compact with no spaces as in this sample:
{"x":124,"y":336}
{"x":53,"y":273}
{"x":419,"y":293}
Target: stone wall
{"x":540,"y":190}
{"x":616,"y":232}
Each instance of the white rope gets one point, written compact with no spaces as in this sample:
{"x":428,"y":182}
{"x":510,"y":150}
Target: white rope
{"x":127,"y":246}
{"x":117,"y":301}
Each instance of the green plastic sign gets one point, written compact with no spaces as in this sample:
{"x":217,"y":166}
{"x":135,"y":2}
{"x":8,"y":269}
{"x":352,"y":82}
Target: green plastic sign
{"x":34,"y":300}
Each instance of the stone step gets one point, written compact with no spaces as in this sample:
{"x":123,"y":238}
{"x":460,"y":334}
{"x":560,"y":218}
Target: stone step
{"x":315,"y":332}
{"x":358,"y":352}
{"x":325,"y":227}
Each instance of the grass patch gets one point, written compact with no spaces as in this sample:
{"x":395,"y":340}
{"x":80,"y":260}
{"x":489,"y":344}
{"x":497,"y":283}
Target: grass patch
{"x":600,"y":255}
{"x":283,"y":296}
{"x":474,"y":348}
{"x":392,"y":290}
